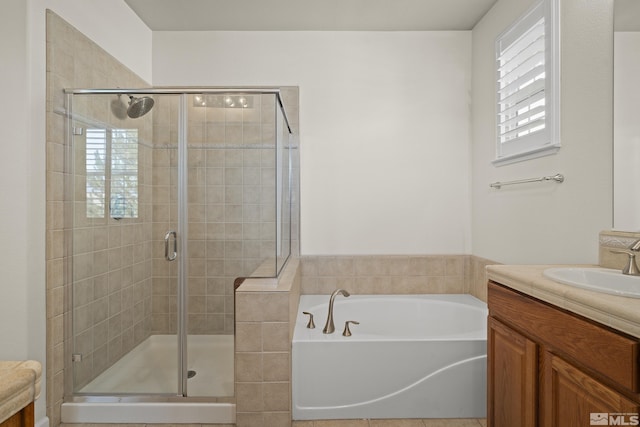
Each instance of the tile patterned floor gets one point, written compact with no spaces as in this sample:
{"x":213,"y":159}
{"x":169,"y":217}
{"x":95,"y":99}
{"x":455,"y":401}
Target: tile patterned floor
{"x":466,"y":422}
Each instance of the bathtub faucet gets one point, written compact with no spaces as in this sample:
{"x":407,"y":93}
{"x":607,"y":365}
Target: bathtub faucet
{"x":329,"y":327}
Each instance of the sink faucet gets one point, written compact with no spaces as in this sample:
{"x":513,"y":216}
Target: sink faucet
{"x":329,"y":327}
{"x":631,"y":268}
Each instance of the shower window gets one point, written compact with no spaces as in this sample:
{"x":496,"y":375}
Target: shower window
{"x":112,"y":173}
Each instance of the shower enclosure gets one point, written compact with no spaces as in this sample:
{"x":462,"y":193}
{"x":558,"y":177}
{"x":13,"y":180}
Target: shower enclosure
{"x":173,"y":195}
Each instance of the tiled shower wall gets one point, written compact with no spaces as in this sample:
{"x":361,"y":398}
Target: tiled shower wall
{"x":112,"y":272}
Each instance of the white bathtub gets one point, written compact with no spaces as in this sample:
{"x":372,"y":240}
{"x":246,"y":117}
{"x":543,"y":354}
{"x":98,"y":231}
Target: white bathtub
{"x":411,"y":356}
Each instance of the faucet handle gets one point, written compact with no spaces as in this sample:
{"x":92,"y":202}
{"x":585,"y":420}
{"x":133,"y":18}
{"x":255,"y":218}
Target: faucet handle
{"x":347,"y":331}
{"x":631,"y":268}
{"x":310,"y":324}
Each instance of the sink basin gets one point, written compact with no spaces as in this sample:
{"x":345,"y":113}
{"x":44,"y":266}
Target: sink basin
{"x":603,"y":280}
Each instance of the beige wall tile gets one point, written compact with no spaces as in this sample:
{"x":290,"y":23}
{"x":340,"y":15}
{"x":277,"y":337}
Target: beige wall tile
{"x":249,"y":367}
{"x":385,"y":274}
{"x":262,"y":306}
{"x":250,"y":397}
{"x":470,"y":422}
{"x":277,"y":419}
{"x":277,"y":366}
{"x":276,"y":336}
{"x":309,"y":266}
{"x":368,"y":266}
{"x":396,"y":265}
{"x":396,"y":423}
{"x":335,"y":266}
{"x":454,"y":284}
{"x":276,"y":396}
{"x":326,"y":285}
{"x":454,"y":265}
{"x":250,"y":419}
{"x":342,"y":423}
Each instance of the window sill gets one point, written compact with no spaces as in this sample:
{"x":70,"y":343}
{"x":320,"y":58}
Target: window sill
{"x":527,"y":155}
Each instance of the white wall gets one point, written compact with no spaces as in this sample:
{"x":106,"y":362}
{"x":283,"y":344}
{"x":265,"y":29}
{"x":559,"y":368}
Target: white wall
{"x":384,"y":128}
{"x":627,"y":131}
{"x":14,"y":155}
{"x":547,"y":222}
{"x":23,"y":156}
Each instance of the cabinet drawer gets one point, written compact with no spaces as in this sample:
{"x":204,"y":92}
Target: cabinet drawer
{"x":596,"y":347}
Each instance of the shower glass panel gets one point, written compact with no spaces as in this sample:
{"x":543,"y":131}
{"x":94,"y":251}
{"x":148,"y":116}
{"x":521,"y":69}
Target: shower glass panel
{"x":284,"y":169}
{"x":169,"y":208}
{"x":114,"y":246}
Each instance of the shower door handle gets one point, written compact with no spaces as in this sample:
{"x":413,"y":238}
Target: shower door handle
{"x":174,"y":254}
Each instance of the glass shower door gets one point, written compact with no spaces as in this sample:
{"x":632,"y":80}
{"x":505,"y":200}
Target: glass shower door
{"x":169,"y":256}
{"x":122,"y":188}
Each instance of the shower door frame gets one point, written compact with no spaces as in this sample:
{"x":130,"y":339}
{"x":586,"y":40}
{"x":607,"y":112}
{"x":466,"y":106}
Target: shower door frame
{"x":182,"y":238}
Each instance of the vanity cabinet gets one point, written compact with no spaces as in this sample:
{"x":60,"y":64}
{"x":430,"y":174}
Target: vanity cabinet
{"x":23,"y":418}
{"x":548,"y":367}
{"x":512,"y":373}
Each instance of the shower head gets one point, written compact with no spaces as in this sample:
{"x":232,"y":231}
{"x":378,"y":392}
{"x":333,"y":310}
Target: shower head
{"x":118,"y":108}
{"x":138,"y":107}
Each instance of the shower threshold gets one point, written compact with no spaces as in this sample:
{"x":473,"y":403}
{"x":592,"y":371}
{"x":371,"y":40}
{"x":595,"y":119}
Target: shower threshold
{"x":170,"y":412}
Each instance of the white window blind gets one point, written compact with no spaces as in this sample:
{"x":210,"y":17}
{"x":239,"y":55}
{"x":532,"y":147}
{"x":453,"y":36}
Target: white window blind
{"x":96,"y":161}
{"x":526,"y":87}
{"x":112,"y":173}
{"x":124,"y":173}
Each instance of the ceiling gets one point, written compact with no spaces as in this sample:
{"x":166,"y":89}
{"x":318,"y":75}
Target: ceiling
{"x":311,"y":15}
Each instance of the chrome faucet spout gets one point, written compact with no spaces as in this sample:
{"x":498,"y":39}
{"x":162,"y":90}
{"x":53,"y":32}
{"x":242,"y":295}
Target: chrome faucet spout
{"x":631,"y":268}
{"x":329,"y":327}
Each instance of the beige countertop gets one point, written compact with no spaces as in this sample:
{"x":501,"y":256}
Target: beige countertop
{"x":19,"y":385}
{"x":621,"y":313}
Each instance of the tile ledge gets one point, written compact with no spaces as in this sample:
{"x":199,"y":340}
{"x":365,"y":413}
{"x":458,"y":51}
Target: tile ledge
{"x":283,"y":283}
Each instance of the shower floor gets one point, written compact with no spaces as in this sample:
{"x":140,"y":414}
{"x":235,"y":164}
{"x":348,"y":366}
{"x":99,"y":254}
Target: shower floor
{"x":151,"y":367}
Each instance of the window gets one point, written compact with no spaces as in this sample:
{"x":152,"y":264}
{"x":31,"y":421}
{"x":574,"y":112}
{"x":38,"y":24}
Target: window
{"x":527,"y":86}
{"x":112,"y":173}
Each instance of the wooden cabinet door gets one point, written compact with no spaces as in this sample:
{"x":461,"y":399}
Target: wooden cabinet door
{"x":24,"y":418}
{"x":571,"y":398}
{"x":512,"y":377}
